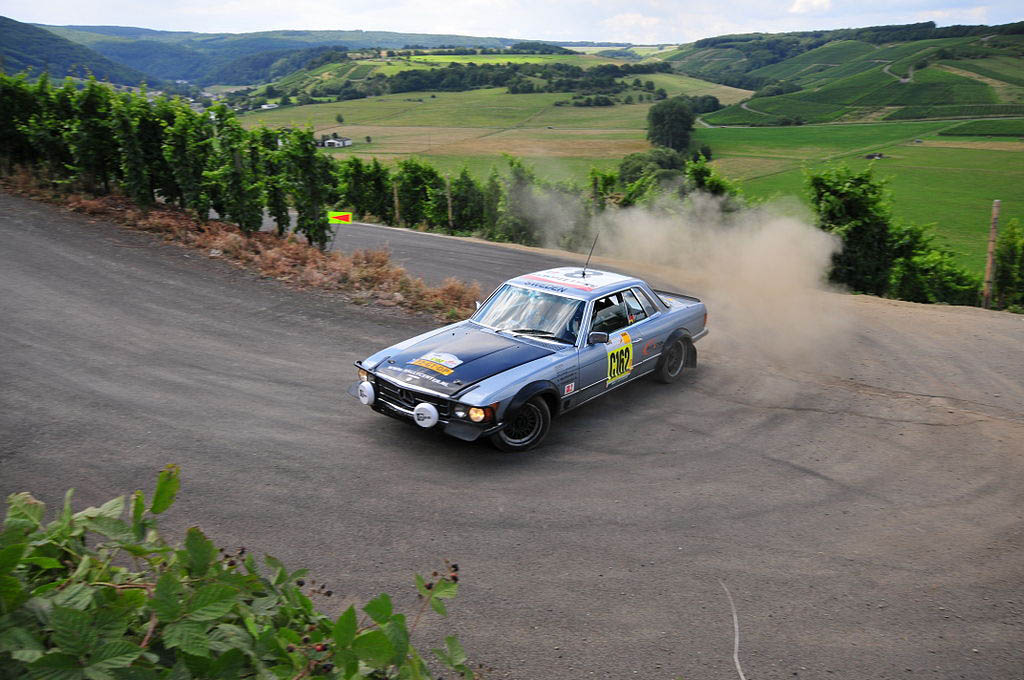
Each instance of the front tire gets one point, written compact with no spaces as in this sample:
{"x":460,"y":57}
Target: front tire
{"x":526,"y":428}
{"x":674,"y":358}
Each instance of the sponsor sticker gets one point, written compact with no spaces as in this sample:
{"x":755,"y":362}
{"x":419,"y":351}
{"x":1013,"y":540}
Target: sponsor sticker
{"x":415,"y":376}
{"x":650,"y":347}
{"x":576,"y":278}
{"x":620,"y":357}
{"x":569,"y":389}
{"x":439,"y":362}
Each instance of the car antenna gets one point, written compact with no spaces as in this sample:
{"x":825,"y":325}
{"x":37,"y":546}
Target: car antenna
{"x":589,"y":256}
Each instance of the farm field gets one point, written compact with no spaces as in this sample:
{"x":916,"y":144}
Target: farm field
{"x":949,"y":182}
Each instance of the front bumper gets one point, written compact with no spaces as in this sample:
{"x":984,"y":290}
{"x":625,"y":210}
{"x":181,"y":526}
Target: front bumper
{"x":398,"y":401}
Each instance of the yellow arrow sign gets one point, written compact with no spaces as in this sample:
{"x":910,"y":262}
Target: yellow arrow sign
{"x":339,"y":217}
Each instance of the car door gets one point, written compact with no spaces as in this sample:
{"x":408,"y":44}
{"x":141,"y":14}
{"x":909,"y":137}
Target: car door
{"x":646,"y":331}
{"x":604,"y":366}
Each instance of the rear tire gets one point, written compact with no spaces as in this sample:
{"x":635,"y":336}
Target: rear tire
{"x":526,"y":428}
{"x":675,"y":356}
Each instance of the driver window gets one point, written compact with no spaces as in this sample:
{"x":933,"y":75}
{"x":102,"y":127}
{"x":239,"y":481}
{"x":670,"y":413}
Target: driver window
{"x":609,"y":314}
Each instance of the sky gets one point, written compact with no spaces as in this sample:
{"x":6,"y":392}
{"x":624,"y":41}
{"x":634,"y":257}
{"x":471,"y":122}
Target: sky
{"x":636,"y":21}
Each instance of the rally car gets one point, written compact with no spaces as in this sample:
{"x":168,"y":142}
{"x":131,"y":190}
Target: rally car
{"x":540,"y":345}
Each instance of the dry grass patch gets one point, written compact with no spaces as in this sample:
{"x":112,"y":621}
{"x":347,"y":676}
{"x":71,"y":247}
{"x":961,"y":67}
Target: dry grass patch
{"x":367,"y":276}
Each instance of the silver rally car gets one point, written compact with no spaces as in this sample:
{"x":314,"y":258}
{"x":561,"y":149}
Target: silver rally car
{"x":540,"y":345}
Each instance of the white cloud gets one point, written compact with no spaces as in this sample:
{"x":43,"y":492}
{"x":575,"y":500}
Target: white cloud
{"x":808,"y":6}
{"x":634,"y":28}
{"x":955,"y":15}
{"x":639,"y":21}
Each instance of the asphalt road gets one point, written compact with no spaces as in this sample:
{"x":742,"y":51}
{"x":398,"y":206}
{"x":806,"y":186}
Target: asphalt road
{"x":865,"y":516}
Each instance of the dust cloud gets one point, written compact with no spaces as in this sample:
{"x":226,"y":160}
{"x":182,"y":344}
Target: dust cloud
{"x":762,"y":271}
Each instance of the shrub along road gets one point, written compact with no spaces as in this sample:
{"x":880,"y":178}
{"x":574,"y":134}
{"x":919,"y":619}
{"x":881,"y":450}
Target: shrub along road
{"x":865,"y":516}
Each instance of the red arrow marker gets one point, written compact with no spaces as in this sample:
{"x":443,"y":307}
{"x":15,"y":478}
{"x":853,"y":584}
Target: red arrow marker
{"x":340,"y":217}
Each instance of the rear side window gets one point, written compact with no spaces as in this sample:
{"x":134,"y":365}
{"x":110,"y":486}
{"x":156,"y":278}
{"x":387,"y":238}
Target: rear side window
{"x":648,"y":304}
{"x":634,"y":310}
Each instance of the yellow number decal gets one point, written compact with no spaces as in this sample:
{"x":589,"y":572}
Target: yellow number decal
{"x":620,"y":358}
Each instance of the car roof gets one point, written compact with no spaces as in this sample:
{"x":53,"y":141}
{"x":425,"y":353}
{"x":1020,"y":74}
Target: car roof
{"x":575,"y":281}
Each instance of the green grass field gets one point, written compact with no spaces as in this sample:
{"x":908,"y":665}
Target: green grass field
{"x":956,"y":111}
{"x":1002,"y":68}
{"x":1011,"y":127}
{"x":947,"y":182}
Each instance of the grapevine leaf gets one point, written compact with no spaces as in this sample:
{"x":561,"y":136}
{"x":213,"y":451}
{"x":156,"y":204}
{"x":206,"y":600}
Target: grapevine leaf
{"x":73,"y":631}
{"x":373,"y":647}
{"x":110,"y":527}
{"x":212,"y":602}
{"x":119,"y":654}
{"x":189,"y":637}
{"x":43,"y":562}
{"x":78,"y":596}
{"x":446,"y":589}
{"x":9,"y":557}
{"x":22,"y":506}
{"x":345,"y":628}
{"x":200,"y":551}
{"x":166,"y":600}
{"x":167,"y":485}
{"x":55,"y":666}
{"x":379,"y":608}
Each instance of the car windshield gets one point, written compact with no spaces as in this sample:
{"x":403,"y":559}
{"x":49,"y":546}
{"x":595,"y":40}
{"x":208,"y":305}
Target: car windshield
{"x":532,"y":312}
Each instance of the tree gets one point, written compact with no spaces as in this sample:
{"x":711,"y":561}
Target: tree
{"x":417,"y":183}
{"x":18,"y":102}
{"x":275,"y":180}
{"x":312,"y":183}
{"x":352,"y":178}
{"x":467,"y":203}
{"x":669,"y":123}
{"x":186,"y":149}
{"x":633,"y":166}
{"x":1008,"y":276}
{"x":923,"y":272}
{"x":235,"y":172}
{"x":340,"y":118}
{"x":89,"y":137}
{"x":856,"y":207}
{"x":125,"y":116}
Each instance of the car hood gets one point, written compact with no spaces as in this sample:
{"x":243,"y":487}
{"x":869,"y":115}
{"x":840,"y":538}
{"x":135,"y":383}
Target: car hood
{"x":452,"y":361}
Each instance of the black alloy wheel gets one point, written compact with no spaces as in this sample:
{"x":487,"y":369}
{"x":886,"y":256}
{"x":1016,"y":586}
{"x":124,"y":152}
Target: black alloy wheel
{"x":526,"y":428}
{"x":672,"y":361}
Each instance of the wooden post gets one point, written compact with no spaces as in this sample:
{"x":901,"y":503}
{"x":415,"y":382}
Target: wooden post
{"x":398,"y":212}
{"x":993,"y":232}
{"x":448,"y":191}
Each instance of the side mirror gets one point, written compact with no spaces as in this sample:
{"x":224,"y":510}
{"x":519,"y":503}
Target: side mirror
{"x":597,"y":338}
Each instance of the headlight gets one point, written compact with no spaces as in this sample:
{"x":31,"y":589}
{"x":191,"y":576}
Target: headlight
{"x":476,"y":414}
{"x":363,"y":375}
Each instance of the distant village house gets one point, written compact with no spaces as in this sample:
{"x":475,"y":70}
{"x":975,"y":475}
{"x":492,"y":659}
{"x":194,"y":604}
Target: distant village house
{"x":340,"y":141}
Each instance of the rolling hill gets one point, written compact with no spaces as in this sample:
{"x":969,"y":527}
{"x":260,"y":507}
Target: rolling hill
{"x":27,"y":47}
{"x":206,"y":58}
{"x":851,"y":80}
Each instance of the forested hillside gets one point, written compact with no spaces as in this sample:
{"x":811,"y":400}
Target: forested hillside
{"x":24,"y":47}
{"x":207,"y":58}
